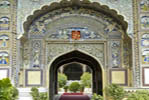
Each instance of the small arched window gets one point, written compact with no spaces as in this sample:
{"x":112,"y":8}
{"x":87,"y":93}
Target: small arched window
{"x":4,"y":58}
{"x":4,"y":40}
{"x":4,"y":23}
{"x":4,"y":4}
{"x":145,"y":40}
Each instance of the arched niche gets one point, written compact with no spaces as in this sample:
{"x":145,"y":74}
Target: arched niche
{"x":4,"y":58}
{"x":4,"y":23}
{"x":4,"y":40}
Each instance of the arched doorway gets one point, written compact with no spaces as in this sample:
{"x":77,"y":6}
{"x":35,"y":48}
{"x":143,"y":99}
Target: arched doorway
{"x":76,"y":56}
{"x":77,"y":25}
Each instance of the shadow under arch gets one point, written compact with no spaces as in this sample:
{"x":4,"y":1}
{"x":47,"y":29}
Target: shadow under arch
{"x":76,"y":56}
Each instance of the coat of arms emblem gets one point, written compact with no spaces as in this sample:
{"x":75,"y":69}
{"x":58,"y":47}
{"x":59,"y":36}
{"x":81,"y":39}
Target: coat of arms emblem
{"x":76,"y":35}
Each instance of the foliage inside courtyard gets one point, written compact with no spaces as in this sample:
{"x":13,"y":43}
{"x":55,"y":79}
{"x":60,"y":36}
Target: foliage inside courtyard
{"x":115,"y":92}
{"x":96,"y":97}
{"x":38,"y":96}
{"x":7,"y":91}
{"x":62,"y":80}
{"x":86,"y":79}
{"x":74,"y":87}
{"x":139,"y":95}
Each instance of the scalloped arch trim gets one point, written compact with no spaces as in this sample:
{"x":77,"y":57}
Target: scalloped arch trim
{"x":85,"y":4}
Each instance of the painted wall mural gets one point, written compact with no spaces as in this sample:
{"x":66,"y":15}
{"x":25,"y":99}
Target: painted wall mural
{"x":145,"y":40}
{"x":4,"y":4}
{"x":4,"y":58}
{"x":38,"y":28}
{"x":75,"y":33}
{"x":4,"y":40}
{"x":145,"y":56}
{"x":4,"y":23}
{"x":145,"y":22}
{"x":115,"y":52}
{"x":144,"y":5}
{"x":36,"y":54}
{"x":26,"y":8}
{"x":111,"y":27}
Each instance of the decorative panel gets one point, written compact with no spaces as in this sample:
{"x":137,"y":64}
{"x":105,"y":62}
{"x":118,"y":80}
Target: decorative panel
{"x":4,"y":41}
{"x":36,"y":54}
{"x":145,"y":40}
{"x":26,"y":7}
{"x":118,"y":76}
{"x":4,"y":58}
{"x":75,"y":33}
{"x":54,"y":50}
{"x":33,"y":77}
{"x":4,"y":23}
{"x":4,"y":73}
{"x":144,"y":5}
{"x":145,"y":76}
{"x":145,"y":22}
{"x":115,"y":49}
{"x":145,"y":56}
{"x":4,"y":6}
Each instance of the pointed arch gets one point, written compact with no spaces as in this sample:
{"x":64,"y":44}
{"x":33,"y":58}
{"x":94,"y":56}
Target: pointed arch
{"x":76,"y":56}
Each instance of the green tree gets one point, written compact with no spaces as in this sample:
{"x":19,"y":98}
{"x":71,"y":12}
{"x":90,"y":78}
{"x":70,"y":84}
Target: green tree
{"x":139,"y":95}
{"x":74,"y":87}
{"x":86,"y":79}
{"x":62,"y":80}
{"x":115,"y":92}
{"x":7,"y":91}
{"x":35,"y":93}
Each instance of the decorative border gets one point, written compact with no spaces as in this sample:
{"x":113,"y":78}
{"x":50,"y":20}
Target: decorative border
{"x":7,"y":71}
{"x":118,"y":69}
{"x":26,"y":76}
{"x":143,"y":76}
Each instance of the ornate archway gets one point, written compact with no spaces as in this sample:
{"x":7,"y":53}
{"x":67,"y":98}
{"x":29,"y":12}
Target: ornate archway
{"x":74,"y":26}
{"x":76,"y":56}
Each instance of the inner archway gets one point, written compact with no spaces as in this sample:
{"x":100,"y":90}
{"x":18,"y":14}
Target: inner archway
{"x":76,"y":56}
